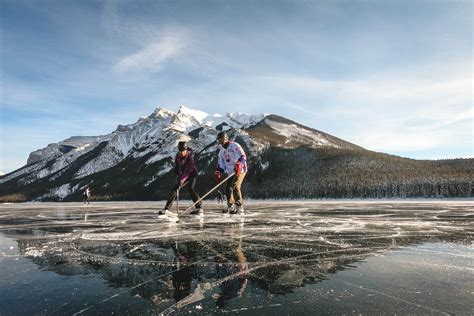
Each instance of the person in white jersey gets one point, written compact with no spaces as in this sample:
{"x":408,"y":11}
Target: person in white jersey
{"x":231,"y":159}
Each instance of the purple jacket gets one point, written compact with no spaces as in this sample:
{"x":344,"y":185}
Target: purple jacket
{"x":185,"y":167}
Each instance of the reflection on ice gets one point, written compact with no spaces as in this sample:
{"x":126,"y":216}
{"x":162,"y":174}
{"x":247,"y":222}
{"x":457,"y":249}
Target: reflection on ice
{"x":214,"y":263}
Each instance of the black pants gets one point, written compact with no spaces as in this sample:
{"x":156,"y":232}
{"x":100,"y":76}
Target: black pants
{"x":192,"y":191}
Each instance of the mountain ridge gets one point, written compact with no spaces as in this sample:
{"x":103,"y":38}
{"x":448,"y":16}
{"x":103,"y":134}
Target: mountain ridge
{"x":135,"y":162}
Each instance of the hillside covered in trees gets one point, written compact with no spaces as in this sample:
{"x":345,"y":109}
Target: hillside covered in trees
{"x":339,"y":173}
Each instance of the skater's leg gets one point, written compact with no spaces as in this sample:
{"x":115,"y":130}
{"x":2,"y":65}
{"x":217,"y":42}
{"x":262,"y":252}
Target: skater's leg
{"x":230,"y":192}
{"x":172,"y":197}
{"x":236,"y":189}
{"x":192,"y":190}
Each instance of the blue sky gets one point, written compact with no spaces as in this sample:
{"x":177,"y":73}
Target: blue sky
{"x":391,"y":76}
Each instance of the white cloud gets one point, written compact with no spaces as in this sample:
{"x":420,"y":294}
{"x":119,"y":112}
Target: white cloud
{"x":376,"y":96}
{"x":153,"y":57}
{"x":389,"y":137}
{"x":396,"y":114}
{"x":421,"y":108}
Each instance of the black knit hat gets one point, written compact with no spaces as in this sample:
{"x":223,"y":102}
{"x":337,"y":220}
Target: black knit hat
{"x":182,"y":146}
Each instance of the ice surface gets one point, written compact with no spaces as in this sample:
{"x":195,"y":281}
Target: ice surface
{"x":282,"y":257}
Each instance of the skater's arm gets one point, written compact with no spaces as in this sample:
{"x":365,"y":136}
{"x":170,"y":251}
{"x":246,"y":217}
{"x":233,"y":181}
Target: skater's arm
{"x":241,"y":164}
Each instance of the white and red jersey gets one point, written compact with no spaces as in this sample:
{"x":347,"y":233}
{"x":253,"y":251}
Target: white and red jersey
{"x":227,"y":158}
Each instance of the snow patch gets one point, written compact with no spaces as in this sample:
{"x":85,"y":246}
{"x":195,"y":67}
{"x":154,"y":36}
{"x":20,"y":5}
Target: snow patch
{"x":161,"y":113}
{"x":81,"y":148}
{"x":264,"y":165}
{"x":156,"y":158}
{"x":294,"y":133}
{"x":27,"y":169}
{"x":164,"y":169}
{"x":244,"y":120}
{"x":108,"y":158}
{"x":61,"y":192}
{"x":198,"y":115}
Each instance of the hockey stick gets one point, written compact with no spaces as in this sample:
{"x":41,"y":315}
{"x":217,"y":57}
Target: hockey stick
{"x":177,"y":201}
{"x":210,"y":191}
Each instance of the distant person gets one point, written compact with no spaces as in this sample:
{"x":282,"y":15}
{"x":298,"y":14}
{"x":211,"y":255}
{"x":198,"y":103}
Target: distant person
{"x":86,"y":196}
{"x":231,"y":159}
{"x":187,"y":172}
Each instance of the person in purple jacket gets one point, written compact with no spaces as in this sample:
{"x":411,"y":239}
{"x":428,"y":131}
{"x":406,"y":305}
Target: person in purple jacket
{"x":187,"y":172}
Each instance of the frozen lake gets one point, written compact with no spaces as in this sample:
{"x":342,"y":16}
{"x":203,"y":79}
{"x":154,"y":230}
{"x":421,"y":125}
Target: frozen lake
{"x":290,"y":257}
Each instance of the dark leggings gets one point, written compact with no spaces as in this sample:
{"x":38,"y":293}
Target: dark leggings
{"x":192,"y":191}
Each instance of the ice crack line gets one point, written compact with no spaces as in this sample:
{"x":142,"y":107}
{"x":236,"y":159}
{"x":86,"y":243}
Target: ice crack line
{"x":139,"y":285}
{"x":396,"y":298}
{"x":199,"y":292}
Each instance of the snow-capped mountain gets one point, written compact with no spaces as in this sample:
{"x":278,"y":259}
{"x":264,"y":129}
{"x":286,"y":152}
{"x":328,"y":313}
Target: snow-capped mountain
{"x":135,"y":161}
{"x":157,"y":133}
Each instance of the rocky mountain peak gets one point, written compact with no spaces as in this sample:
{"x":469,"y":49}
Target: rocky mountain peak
{"x":161,"y":112}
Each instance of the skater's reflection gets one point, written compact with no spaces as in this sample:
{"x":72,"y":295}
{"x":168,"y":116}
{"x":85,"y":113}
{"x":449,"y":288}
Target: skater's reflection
{"x":184,"y":271}
{"x":232,"y":269}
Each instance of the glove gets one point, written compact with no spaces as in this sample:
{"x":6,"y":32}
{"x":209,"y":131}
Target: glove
{"x":182,"y":180}
{"x":238,"y":168}
{"x":217,"y":176}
